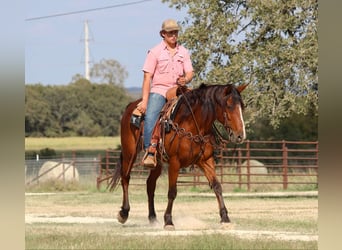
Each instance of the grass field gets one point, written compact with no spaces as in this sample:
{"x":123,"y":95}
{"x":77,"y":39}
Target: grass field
{"x":86,"y":220}
{"x":72,"y":143}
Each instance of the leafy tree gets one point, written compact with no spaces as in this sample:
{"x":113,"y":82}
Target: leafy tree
{"x":112,"y":103}
{"x":109,"y":71}
{"x":61,"y":108}
{"x":78,"y":109}
{"x":272,"y":45}
{"x":78,"y":77}
{"x":84,"y":125}
{"x":37,"y":112}
{"x":294,"y":128}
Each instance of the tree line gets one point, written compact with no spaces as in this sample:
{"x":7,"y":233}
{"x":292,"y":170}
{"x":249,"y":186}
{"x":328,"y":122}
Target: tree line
{"x":81,"y":108}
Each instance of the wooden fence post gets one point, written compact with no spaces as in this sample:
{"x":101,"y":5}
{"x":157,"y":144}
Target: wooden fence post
{"x":248,"y":155}
{"x":74,"y":161}
{"x":221,"y":164}
{"x":107,"y":161}
{"x":239,"y":167}
{"x":285,"y":165}
{"x":316,"y":154}
{"x":99,"y":178}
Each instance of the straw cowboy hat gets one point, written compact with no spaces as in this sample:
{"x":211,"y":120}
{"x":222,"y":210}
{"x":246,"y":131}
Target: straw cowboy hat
{"x":169,"y":25}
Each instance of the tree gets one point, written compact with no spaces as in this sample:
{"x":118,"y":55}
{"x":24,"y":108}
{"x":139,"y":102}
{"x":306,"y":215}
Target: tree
{"x":37,"y":111}
{"x":109,"y":71}
{"x":78,"y":109}
{"x":272,"y":45}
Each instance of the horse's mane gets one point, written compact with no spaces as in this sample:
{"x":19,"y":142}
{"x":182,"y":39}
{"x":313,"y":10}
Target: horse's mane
{"x":208,"y":96}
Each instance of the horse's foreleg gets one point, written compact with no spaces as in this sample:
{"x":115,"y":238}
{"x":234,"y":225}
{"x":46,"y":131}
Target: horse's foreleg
{"x":218,"y":192}
{"x":151,"y":187}
{"x":209,"y":171}
{"x":168,"y":224}
{"x":172,"y":193}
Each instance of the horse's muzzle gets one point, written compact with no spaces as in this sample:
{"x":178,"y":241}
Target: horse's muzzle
{"x":236,"y":137}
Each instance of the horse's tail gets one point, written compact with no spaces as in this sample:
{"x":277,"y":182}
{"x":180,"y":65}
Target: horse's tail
{"x":116,"y":175}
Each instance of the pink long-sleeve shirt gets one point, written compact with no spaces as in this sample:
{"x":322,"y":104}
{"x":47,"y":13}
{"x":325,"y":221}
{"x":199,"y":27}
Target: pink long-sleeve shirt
{"x":166,"y":69}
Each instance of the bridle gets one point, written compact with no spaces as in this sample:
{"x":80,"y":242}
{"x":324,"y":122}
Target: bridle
{"x":192,"y":113}
{"x":226,"y":122}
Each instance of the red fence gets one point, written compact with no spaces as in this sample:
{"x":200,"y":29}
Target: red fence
{"x":243,"y":166}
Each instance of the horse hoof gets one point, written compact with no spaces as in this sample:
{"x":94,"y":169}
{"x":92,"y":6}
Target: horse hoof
{"x":121,"y":219}
{"x":169,"y":227}
{"x":153,"y":221}
{"x":155,"y":224}
{"x":227,"y":226}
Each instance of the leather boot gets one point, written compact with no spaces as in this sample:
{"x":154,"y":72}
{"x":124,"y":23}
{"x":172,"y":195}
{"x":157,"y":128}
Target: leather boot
{"x":150,"y":159}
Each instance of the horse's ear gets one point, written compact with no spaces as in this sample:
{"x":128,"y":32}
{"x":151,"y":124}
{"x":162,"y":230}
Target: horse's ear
{"x":240,"y":88}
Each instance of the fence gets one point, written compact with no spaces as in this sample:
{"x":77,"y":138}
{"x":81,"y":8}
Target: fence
{"x":280,"y":163}
{"x":86,"y":168}
{"x":243,"y":166}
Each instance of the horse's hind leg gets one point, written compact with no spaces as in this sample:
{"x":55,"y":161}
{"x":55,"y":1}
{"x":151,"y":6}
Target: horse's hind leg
{"x":209,"y":171}
{"x":123,"y":213}
{"x":151,"y":187}
{"x":127,"y":163}
{"x":130,"y":141}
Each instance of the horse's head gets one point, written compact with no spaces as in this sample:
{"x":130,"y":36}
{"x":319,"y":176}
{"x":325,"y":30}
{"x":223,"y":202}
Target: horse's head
{"x":231,"y":116}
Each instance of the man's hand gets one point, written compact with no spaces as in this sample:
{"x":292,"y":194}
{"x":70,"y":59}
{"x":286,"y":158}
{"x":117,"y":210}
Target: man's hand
{"x":182,"y":80}
{"x":142,"y":106}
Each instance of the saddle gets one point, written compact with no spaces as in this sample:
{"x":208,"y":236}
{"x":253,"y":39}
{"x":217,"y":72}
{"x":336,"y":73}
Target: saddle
{"x":163,"y":124}
{"x":137,"y":117}
{"x":170,"y":108}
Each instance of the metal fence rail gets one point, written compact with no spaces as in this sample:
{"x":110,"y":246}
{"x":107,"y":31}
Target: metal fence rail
{"x":280,"y":163}
{"x":283,"y":163}
{"x":87,"y":168}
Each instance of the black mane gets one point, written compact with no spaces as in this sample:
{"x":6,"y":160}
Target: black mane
{"x":207,"y":97}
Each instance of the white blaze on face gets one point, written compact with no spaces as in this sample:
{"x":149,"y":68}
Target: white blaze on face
{"x":243,"y":123}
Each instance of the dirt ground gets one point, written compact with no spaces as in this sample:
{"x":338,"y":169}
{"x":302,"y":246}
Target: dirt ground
{"x":283,"y":218}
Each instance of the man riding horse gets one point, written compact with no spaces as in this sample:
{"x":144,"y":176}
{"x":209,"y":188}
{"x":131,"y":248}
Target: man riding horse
{"x":167,"y":65}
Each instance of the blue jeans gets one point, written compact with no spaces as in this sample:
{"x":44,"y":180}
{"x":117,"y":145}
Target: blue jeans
{"x":154,"y":106}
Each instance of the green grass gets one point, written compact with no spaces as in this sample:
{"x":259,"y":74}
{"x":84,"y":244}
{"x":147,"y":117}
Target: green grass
{"x":269,"y":214}
{"x":106,"y":240}
{"x":72,"y":143}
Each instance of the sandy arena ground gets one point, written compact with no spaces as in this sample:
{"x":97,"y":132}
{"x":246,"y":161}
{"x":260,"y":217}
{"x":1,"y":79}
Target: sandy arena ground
{"x":198,"y":223}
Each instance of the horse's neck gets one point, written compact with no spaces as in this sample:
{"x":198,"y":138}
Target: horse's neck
{"x":198,"y":121}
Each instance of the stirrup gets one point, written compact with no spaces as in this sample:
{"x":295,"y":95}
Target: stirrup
{"x":150,"y":161}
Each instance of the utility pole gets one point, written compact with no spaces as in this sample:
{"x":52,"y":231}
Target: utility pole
{"x":86,"y":51}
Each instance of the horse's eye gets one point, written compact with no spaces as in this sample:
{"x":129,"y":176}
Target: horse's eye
{"x":230,"y":103}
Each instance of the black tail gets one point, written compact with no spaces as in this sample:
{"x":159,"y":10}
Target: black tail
{"x":116,"y":176}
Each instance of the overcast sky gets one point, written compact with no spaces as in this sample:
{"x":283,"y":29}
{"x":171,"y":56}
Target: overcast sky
{"x":54,"y":43}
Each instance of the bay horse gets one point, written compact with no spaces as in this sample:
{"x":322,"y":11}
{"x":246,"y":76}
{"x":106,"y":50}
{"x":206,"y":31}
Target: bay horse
{"x":188,"y":142}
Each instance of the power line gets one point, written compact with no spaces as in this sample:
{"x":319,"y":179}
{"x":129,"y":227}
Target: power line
{"x":83,"y":11}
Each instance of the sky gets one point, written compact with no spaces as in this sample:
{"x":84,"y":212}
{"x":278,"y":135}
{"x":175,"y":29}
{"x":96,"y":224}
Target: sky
{"x":54,"y":46}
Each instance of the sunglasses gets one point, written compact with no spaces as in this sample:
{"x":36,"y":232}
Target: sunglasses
{"x":172,"y":33}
